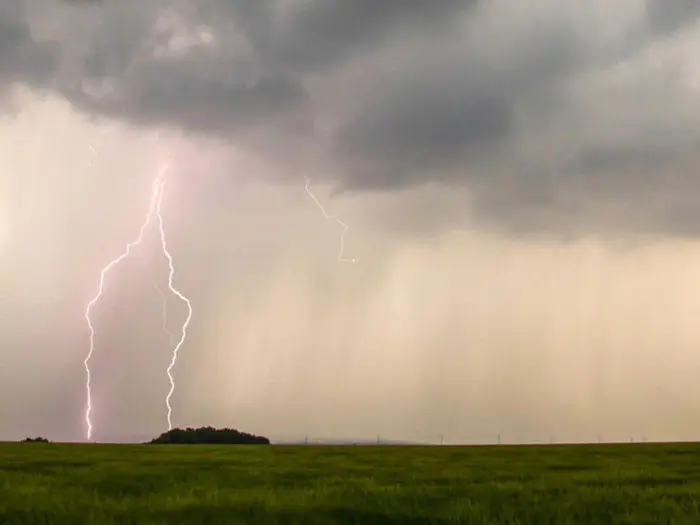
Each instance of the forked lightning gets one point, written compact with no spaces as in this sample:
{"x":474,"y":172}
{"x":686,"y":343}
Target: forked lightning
{"x":154,"y":211}
{"x":175,"y":291}
{"x":341,"y":251}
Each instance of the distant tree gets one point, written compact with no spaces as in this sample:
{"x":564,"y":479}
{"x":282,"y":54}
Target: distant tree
{"x":35,"y":440}
{"x":208,"y":435}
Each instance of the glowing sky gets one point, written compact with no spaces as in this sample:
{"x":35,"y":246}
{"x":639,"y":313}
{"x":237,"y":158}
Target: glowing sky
{"x":521,"y":181}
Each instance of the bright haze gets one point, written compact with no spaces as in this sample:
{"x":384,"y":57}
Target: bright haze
{"x":521,"y":181}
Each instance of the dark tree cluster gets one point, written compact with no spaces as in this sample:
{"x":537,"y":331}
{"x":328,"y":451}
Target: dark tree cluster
{"x":35,"y":440}
{"x":209,"y":435}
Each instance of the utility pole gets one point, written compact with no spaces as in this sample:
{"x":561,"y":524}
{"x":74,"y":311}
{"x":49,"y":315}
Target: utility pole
{"x":442,"y":439}
{"x":499,"y":438}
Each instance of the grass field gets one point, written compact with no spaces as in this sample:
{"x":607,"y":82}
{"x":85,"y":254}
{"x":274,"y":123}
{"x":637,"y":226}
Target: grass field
{"x":190,"y":485}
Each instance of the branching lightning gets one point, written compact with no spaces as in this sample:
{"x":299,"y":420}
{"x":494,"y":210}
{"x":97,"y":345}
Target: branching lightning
{"x":154,"y":211}
{"x":157,"y":188}
{"x":175,"y":291}
{"x":341,"y":251}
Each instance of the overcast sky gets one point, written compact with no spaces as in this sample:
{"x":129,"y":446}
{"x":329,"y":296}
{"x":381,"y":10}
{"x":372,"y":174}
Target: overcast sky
{"x":520,"y":181}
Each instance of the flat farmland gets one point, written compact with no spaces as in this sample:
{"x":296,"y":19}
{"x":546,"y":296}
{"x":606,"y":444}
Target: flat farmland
{"x":66,"y":484}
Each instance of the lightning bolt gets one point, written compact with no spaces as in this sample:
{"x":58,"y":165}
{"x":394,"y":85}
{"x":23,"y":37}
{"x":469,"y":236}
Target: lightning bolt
{"x":154,"y":210}
{"x":176,"y":292}
{"x":341,"y":251}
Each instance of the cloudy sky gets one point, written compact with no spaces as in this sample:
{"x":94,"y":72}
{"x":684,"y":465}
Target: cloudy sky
{"x":521,"y":182}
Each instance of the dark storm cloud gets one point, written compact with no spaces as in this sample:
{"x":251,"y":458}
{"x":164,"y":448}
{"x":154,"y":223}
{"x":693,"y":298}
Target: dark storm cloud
{"x":307,"y":35}
{"x":509,"y":102}
{"x":109,"y":60}
{"x":21,"y":58}
{"x":324,"y":32}
{"x":409,"y":136}
{"x":165,"y":94}
{"x":666,"y":16}
{"x":449,"y":108}
{"x":213,"y":87}
{"x":613,"y":159}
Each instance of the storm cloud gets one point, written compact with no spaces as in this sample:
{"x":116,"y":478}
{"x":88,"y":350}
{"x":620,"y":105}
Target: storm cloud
{"x":525,"y":108}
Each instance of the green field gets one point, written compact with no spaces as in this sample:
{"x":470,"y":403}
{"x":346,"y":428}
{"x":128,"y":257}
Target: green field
{"x":190,"y":485}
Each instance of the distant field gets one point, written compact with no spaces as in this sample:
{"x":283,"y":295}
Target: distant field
{"x":191,"y":485}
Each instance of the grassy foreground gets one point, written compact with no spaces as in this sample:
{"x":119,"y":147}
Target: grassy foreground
{"x":191,"y":485}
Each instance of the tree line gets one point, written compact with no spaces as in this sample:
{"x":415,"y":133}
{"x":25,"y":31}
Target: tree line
{"x":208,"y":435}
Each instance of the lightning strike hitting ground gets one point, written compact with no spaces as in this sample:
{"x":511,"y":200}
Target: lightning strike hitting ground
{"x":155,"y":209}
{"x":341,"y":252}
{"x":171,"y":273}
